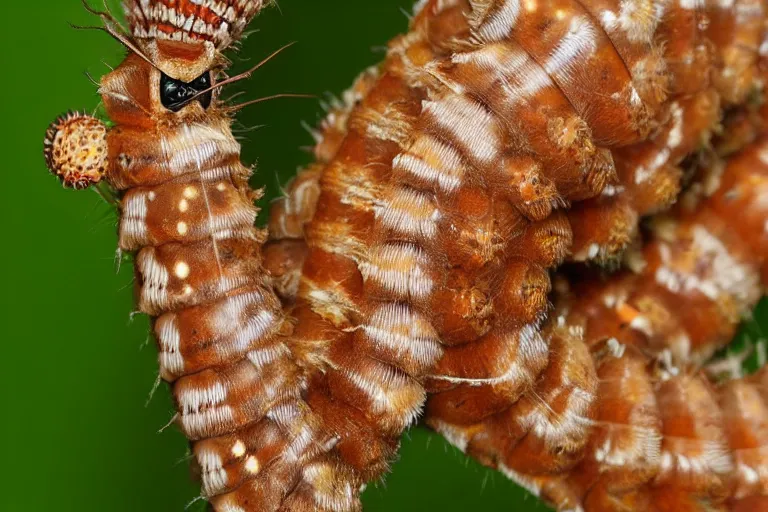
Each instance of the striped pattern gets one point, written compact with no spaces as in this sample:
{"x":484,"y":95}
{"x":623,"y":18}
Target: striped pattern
{"x":221,"y":22}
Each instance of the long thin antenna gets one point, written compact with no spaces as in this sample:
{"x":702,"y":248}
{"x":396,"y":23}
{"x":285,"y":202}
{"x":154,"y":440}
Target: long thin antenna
{"x":241,"y":76}
{"x":266,"y":98}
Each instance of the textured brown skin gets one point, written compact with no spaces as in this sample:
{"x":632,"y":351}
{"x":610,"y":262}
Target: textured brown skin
{"x":651,"y":408}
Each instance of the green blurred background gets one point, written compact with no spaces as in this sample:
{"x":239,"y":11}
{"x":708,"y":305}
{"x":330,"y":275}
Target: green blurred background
{"x":76,"y":369}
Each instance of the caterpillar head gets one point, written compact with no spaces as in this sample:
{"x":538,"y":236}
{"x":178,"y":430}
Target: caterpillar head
{"x":169,"y":78}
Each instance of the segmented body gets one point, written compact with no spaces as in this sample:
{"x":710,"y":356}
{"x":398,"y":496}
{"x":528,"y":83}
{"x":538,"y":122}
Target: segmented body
{"x":428,"y":251}
{"x":438,"y":215}
{"x":186,"y":211}
{"x":644,"y":430}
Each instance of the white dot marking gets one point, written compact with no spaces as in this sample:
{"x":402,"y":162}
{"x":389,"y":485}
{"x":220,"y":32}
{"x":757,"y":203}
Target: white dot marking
{"x":181,"y":270}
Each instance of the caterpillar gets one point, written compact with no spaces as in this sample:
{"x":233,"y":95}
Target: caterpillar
{"x":621,"y":419}
{"x":186,"y":211}
{"x":436,"y":220}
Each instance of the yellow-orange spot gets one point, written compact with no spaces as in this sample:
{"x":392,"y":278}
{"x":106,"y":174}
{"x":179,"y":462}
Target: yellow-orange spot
{"x":252,"y":465}
{"x":182,"y":228}
{"x":181,"y":270}
{"x":238,"y":450}
{"x":183,"y":205}
{"x":627,"y":313}
{"x":191,"y":192}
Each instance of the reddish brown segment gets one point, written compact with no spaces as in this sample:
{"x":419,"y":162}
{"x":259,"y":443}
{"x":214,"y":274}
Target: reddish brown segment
{"x":653,"y":434}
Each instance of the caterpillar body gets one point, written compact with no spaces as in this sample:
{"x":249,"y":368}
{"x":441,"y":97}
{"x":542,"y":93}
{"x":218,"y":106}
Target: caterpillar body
{"x":471,"y":382}
{"x":438,"y":212}
{"x":186,"y":211}
{"x":644,"y":430}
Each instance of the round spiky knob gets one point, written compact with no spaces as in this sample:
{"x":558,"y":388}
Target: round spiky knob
{"x":75,"y":150}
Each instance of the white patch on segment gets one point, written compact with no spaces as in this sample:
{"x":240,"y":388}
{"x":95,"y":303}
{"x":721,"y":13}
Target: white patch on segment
{"x":181,"y":270}
{"x":384,"y":386}
{"x":407,"y":211}
{"x":241,"y":322}
{"x":400,"y":268}
{"x":637,"y":19}
{"x":193,"y":399}
{"x":749,"y":475}
{"x":500,"y":24}
{"x":675,"y":136}
{"x":182,"y":228}
{"x":469,"y":124}
{"x":511,"y":67}
{"x":408,"y":334}
{"x":573,"y":422}
{"x":133,"y":221}
{"x":221,"y":187}
{"x":722,"y":273}
{"x":154,"y":278}
{"x":151,"y":196}
{"x":645,"y":172}
{"x":202,"y":411}
{"x":441,"y":177}
{"x":523,"y":481}
{"x":617,"y":349}
{"x":191,"y":192}
{"x":238,"y":449}
{"x":214,"y":475}
{"x":764,"y":48}
{"x":713,"y":458}
{"x":263,"y":357}
{"x":645,"y":445}
{"x":195,"y":146}
{"x":252,"y":465}
{"x":454,"y":435}
{"x":579,"y":43}
{"x":183,"y":205}
{"x":187,"y":290}
{"x":691,"y":5}
{"x":168,"y":336}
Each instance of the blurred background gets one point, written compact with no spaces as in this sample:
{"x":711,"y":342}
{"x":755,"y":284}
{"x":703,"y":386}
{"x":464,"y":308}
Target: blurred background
{"x":79,"y":431}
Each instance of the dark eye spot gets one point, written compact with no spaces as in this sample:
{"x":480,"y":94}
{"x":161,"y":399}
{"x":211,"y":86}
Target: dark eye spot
{"x":175,"y":94}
